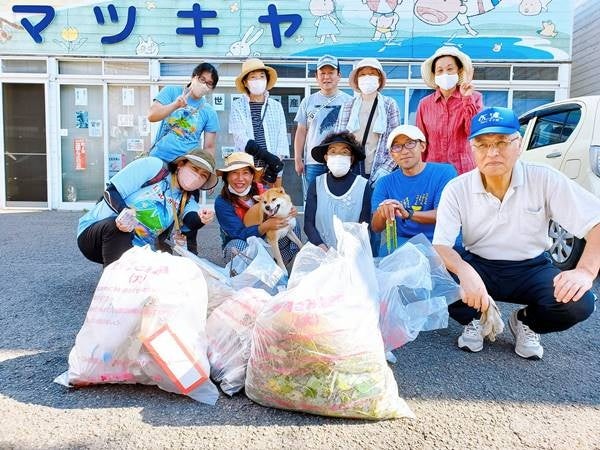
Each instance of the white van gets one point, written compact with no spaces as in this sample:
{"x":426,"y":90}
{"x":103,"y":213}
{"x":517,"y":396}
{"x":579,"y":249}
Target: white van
{"x":565,"y":135}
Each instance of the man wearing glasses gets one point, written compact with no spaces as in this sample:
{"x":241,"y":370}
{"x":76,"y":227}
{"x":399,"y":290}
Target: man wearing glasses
{"x":503,"y":208}
{"x":409,"y":196}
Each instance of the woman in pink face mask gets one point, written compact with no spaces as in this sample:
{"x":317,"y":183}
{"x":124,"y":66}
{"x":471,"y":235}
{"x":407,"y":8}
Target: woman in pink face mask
{"x":145,"y":203}
{"x":445,"y":116}
{"x":257,"y":122}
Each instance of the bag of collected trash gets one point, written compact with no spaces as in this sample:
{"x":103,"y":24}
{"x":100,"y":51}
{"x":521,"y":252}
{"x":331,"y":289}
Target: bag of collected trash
{"x":317,"y":347}
{"x":255,"y":267}
{"x":416,"y":290}
{"x":146,"y":324}
{"x":229,"y":330}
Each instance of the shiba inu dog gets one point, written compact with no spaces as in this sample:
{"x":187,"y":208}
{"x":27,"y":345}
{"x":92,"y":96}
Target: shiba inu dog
{"x":273,"y":203}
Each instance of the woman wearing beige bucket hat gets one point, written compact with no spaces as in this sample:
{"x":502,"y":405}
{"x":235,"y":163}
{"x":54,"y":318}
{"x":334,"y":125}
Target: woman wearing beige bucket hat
{"x":234,"y":201}
{"x":370,"y":116}
{"x":257,"y":122}
{"x":445,"y":116}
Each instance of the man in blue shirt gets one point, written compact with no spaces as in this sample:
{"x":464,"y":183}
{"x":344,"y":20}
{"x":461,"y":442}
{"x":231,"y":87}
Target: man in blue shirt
{"x":411,"y":194}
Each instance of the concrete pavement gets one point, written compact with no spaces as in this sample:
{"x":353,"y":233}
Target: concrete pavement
{"x":492,"y":399}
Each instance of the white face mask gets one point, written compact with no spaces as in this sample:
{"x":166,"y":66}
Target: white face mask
{"x":240,"y":194}
{"x":258,"y":86}
{"x":199,"y":89}
{"x":339,"y":165}
{"x":368,"y":84}
{"x":446,"y":81}
{"x":189,"y":179}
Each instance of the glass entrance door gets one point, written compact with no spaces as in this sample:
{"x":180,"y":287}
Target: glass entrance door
{"x":25,"y":145}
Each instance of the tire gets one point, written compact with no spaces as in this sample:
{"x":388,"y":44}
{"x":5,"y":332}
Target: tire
{"x":566,"y":249}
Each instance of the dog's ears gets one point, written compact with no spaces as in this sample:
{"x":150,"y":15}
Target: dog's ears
{"x":257,"y":198}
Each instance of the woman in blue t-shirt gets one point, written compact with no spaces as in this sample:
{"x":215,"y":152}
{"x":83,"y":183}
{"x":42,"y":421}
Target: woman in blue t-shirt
{"x":145,"y":200}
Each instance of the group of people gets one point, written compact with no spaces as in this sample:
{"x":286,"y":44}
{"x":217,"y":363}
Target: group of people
{"x":455,"y":177}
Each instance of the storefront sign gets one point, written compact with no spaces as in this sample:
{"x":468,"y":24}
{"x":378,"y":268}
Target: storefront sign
{"x":80,"y":153}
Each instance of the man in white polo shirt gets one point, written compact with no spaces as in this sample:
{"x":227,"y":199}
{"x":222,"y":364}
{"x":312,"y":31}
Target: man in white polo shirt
{"x":503,"y":207}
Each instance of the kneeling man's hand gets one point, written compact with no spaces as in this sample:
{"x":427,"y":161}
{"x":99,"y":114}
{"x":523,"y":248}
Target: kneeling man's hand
{"x":572,"y":284}
{"x":472,"y":288}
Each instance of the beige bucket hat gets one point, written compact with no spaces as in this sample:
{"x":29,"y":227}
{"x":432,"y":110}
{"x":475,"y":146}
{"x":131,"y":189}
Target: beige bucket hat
{"x":367,"y":62}
{"x":427,"y":68}
{"x":250,"y":65}
{"x":237,"y":160}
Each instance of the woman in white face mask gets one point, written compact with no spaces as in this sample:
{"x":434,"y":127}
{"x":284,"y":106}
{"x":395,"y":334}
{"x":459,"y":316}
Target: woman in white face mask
{"x":240,"y":192}
{"x":339,"y":192}
{"x":370,"y":116}
{"x":445,"y":116}
{"x":257,"y":122}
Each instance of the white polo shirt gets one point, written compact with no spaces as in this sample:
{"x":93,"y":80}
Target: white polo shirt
{"x":516,"y":228}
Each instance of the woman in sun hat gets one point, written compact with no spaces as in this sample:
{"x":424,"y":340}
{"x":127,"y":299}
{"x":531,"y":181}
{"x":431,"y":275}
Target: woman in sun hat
{"x":236,"y":198}
{"x":145,"y":200}
{"x":256,"y":121}
{"x":370,"y":116}
{"x":445,"y":116}
{"x":338,"y":192}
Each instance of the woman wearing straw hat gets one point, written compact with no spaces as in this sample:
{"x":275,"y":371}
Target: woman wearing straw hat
{"x":371,"y":117}
{"x":257,"y":122}
{"x":236,"y":198}
{"x":445,"y":116}
{"x":143,"y":201}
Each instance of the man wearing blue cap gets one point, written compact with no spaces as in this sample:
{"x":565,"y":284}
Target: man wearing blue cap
{"x":504,"y":207}
{"x":316,"y":118}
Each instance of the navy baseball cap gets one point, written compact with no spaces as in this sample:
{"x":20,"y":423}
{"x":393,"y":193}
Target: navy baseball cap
{"x":494,"y":120}
{"x":328,"y":60}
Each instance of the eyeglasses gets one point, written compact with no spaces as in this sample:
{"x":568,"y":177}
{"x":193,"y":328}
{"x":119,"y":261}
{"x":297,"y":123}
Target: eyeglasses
{"x":409,"y":145}
{"x":209,"y":83}
{"x":498,"y":145}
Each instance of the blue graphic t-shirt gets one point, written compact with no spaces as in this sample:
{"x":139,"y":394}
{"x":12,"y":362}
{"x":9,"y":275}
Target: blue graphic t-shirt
{"x":180,"y":132}
{"x":154,"y":205}
{"x":420,"y":192}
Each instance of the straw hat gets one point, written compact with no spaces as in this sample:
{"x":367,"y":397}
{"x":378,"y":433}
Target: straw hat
{"x":237,"y":160}
{"x":367,"y":62}
{"x":250,"y":65}
{"x":427,"y":68}
{"x":204,"y":160}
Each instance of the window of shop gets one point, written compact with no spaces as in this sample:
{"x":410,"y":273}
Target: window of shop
{"x":526,"y":100}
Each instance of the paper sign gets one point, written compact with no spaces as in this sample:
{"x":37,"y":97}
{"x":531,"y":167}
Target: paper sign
{"x":80,"y":154}
{"x":116,"y":161}
{"x":234,"y":97}
{"x":64,"y":132}
{"x":81,"y":119}
{"x":293,"y":103}
{"x":143,"y":126}
{"x":128,"y":96}
{"x":81,"y":97}
{"x":95,"y":129}
{"x":219,"y":101}
{"x":226,"y":151}
{"x":175,"y":359}
{"x":125,"y":120}
{"x":276,"y":97}
{"x":135,"y":145}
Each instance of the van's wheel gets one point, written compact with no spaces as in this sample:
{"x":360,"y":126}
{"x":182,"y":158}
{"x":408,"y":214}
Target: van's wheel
{"x":566,"y":249}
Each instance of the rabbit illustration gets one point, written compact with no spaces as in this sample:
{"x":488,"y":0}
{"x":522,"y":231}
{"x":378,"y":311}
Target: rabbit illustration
{"x":242,"y":48}
{"x":147,"y":47}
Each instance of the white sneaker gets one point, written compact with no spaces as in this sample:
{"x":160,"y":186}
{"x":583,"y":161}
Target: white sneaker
{"x":527,"y":343}
{"x":471,"y":338}
{"x":389,"y":356}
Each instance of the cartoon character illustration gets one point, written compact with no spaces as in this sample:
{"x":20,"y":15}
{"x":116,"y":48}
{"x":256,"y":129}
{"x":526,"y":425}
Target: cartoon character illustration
{"x":533,"y":7}
{"x":442,"y":12}
{"x":497,"y":47}
{"x":242,"y":48}
{"x":326,"y":23}
{"x":6,"y":28}
{"x":384,"y":17}
{"x":147,"y":47}
{"x":548,"y":29}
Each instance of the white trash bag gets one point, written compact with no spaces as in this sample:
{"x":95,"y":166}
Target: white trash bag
{"x":146,"y":324}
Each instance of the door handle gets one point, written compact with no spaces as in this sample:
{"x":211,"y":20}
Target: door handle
{"x":553,"y":155}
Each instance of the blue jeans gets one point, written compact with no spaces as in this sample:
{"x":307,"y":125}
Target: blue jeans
{"x":311,"y":171}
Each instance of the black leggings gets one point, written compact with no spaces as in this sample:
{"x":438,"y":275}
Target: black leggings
{"x":103,"y":242}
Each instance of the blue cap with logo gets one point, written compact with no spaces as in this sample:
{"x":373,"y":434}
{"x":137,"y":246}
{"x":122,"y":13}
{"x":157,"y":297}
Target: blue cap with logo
{"x":494,"y":120}
{"x":327,"y":60}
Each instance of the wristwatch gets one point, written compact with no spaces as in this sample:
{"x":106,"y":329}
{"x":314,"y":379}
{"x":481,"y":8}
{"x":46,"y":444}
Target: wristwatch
{"x":410,"y":213}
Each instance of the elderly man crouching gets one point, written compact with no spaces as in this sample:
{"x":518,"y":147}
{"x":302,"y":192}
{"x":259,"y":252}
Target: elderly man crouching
{"x":504,"y":207}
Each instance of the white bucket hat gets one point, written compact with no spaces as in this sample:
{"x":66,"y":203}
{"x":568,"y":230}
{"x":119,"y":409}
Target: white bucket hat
{"x":427,"y":68}
{"x":367,"y":62}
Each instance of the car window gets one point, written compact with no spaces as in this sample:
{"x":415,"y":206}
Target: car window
{"x":554,"y":128}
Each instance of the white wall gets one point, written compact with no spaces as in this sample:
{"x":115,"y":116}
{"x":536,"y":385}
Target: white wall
{"x":585,"y":73}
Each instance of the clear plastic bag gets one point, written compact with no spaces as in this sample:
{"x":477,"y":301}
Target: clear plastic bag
{"x":229,"y":330}
{"x":317,"y":347}
{"x":255,"y":267}
{"x":146,"y":324}
{"x":416,"y":290}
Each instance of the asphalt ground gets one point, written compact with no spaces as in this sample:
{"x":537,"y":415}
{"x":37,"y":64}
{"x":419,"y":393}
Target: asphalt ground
{"x":489,"y":400}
